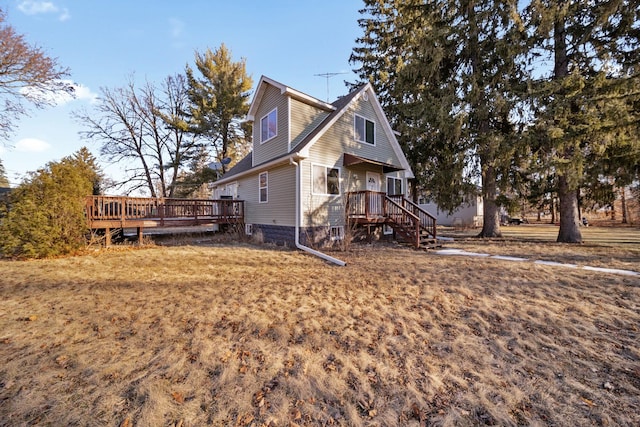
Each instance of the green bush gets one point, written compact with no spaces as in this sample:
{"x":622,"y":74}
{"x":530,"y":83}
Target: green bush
{"x":45,"y":216}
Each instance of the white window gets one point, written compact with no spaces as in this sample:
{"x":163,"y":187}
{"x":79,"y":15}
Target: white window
{"x":394,"y":186}
{"x":248,"y":229}
{"x":386,"y":229}
{"x":364,"y":130}
{"x":269,"y":126}
{"x":263,"y":185}
{"x":326,"y":180}
{"x":336,"y":233}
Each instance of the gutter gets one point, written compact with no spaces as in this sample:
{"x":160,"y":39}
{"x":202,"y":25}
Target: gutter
{"x":298,"y":215}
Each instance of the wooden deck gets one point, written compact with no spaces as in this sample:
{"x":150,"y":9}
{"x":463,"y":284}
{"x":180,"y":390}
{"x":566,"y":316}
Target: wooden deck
{"x":115,"y":212}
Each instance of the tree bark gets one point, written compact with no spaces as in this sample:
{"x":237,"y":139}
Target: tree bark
{"x":490,"y":209}
{"x":569,"y":216}
{"x":623,"y":199}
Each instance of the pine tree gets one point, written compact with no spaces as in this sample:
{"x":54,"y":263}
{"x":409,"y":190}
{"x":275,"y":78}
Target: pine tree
{"x":4,"y":181}
{"x":448,"y":74}
{"x":220,"y":98}
{"x":585,"y":107}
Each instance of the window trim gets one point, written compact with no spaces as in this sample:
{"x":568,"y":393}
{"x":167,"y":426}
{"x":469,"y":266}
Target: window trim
{"x":265,"y":187}
{"x":326,"y":179}
{"x":266,"y":116}
{"x":355,"y":131}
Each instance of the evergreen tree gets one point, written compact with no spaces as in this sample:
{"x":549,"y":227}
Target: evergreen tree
{"x":220,"y":99}
{"x":448,"y":74}
{"x":4,"y":181}
{"x":46,"y":212}
{"x":585,"y":106}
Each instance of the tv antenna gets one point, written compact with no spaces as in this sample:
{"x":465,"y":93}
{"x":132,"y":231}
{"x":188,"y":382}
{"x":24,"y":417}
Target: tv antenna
{"x":328,"y":76}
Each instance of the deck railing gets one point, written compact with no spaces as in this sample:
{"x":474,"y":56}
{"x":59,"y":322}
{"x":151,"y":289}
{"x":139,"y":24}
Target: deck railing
{"x":129,"y":209}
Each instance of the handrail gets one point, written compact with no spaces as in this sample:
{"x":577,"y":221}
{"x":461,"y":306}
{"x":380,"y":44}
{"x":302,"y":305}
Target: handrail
{"x":427,"y":221}
{"x":401,"y":218}
{"x":122,"y":208}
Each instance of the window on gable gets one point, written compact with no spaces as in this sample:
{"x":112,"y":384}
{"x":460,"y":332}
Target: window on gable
{"x":263,"y":187}
{"x":394,"y":186}
{"x":365,"y":130}
{"x":326,"y":180}
{"x":269,"y":126}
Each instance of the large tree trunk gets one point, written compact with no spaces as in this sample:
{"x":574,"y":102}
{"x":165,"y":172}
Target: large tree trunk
{"x":623,"y":199}
{"x":490,"y":209}
{"x":569,"y":216}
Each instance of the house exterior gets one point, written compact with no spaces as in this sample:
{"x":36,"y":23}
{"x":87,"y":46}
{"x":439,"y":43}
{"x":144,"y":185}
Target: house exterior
{"x":470,"y":214}
{"x":315,"y":166}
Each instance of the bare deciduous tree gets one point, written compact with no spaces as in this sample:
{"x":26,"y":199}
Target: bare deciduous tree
{"x":144,"y":129}
{"x":26,"y":74}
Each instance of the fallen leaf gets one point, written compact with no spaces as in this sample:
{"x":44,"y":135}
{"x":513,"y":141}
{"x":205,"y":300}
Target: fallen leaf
{"x":178,"y":397}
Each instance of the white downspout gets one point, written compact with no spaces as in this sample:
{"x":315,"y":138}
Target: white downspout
{"x":298,"y":215}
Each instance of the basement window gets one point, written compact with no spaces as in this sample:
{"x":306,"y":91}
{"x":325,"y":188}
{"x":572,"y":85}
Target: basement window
{"x":336,"y":233}
{"x":248,"y":229}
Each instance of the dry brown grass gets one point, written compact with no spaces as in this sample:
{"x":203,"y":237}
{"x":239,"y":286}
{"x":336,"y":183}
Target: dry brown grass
{"x":242,"y":335}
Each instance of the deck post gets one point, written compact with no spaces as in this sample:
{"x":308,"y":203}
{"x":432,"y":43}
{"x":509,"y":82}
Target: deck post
{"x":140,"y":236}
{"x":107,"y":237}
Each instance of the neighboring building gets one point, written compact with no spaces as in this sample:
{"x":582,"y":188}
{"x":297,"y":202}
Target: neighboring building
{"x":470,"y":214}
{"x":317,"y":167}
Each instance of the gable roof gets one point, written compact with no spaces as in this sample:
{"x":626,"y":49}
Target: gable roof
{"x":284,"y":89}
{"x":301,"y":150}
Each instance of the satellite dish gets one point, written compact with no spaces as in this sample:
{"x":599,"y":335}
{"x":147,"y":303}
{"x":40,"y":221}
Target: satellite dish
{"x":226,"y":160}
{"x":216,"y":166}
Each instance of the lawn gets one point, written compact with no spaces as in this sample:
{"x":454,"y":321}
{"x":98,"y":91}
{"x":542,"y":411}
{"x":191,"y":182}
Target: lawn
{"x":236,"y":334}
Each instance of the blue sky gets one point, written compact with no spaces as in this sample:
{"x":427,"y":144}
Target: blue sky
{"x":104,"y":42}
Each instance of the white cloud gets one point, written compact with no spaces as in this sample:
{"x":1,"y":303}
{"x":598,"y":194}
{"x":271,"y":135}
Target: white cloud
{"x":81,"y":93}
{"x":177,"y":27}
{"x":64,"y":15}
{"x":32,"y":145}
{"x":35,"y":7}
{"x":32,"y":7}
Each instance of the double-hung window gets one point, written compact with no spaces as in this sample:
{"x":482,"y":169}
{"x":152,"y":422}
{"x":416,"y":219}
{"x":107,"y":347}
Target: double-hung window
{"x":263,"y":184}
{"x":326,"y":180}
{"x":269,"y":126}
{"x":364,"y":130}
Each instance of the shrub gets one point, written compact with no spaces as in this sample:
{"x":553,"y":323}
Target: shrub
{"x":45,"y":216}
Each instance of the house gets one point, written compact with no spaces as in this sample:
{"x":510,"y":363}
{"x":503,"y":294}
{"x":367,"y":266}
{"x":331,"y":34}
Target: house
{"x":317,"y":168}
{"x":470,"y":214}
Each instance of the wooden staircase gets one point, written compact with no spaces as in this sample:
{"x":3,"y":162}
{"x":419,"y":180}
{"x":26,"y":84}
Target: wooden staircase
{"x":409,"y":221}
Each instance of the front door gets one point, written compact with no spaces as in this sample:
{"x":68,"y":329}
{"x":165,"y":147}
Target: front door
{"x":374,"y":184}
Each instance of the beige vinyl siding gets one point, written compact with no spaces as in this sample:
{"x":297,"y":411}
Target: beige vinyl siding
{"x":340,"y":138}
{"x":280,"y":207}
{"x":321,"y":209}
{"x":304,"y":119}
{"x":328,"y":151}
{"x":279,"y":145}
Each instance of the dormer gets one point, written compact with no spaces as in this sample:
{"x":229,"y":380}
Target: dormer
{"x":281,"y":118}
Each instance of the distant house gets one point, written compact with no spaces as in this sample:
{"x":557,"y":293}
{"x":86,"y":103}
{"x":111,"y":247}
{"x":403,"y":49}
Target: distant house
{"x":470,"y":214}
{"x":317,"y":168}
